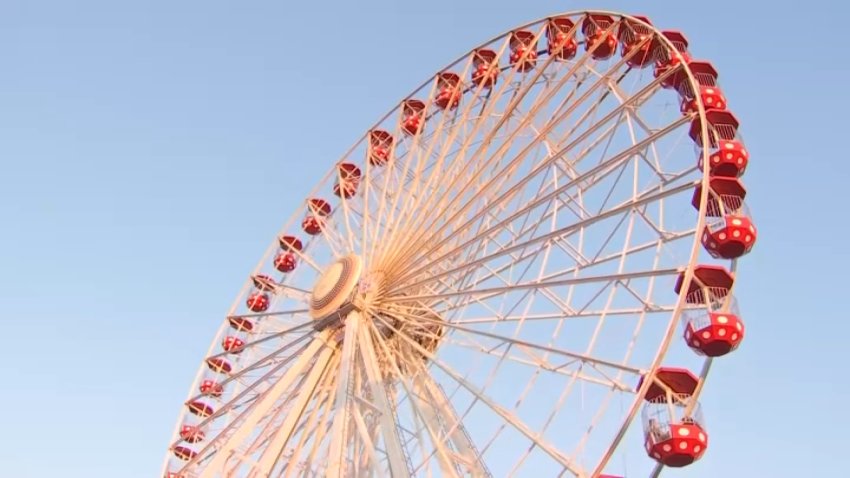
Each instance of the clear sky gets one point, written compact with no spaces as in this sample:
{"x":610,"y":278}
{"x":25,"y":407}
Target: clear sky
{"x":149,"y":150}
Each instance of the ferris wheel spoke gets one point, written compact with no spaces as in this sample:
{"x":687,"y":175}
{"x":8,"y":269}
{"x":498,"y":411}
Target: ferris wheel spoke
{"x":432,"y":396}
{"x":244,"y":457}
{"x":263,"y":351}
{"x":423,"y":415}
{"x":615,"y":286}
{"x":419,"y":420}
{"x":607,"y":135}
{"x":366,"y":226}
{"x":562,"y":313}
{"x":407,"y":180}
{"x":283,"y":434}
{"x":306,"y":259}
{"x":333,"y":238}
{"x":455,"y":453}
{"x":428,"y":417}
{"x":573,"y":357}
{"x":538,"y":363}
{"x":493,"y":193}
{"x":397,"y":459}
{"x":557,"y":234}
{"x":493,"y":274}
{"x":542,"y":98}
{"x":594,"y":108}
{"x":458,"y":125}
{"x":366,"y":434}
{"x":514,"y":218}
{"x":655,"y":163}
{"x":342,"y":406}
{"x":388,"y":200}
{"x":277,"y":313}
{"x":575,"y":177}
{"x":473,"y":247}
{"x":272,"y":359}
{"x":347,"y":212}
{"x":472,"y":252}
{"x":599,"y":169}
{"x":208,"y":452}
{"x":541,"y":363}
{"x":429,"y":420}
{"x":445,"y":201}
{"x":522,"y":256}
{"x":317,"y":351}
{"x":440,"y":173}
{"x":577,"y":255}
{"x":484,"y":223}
{"x":620,"y":269}
{"x":381,"y":197}
{"x":245,"y":399}
{"x":323,"y":426}
{"x":629,"y":351}
{"x":413,"y":199}
{"x":286,"y":457}
{"x":495,"y":291}
{"x":556,"y":407}
{"x":640,"y":96}
{"x":504,"y":414}
{"x":441,"y":176}
{"x":308,"y":428}
{"x":634,"y":119}
{"x":606,"y":381}
{"x":393,"y":211}
{"x":587,"y":314}
{"x":528,"y":260}
{"x":656,"y":470}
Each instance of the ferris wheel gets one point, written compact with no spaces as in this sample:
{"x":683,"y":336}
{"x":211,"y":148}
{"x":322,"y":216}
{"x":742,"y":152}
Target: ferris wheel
{"x":526,"y":268}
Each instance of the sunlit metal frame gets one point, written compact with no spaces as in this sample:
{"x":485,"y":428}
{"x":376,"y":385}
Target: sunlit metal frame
{"x":317,"y":374}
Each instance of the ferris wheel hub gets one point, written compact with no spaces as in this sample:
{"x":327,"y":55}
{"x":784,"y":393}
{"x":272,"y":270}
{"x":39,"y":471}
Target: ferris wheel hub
{"x":335,"y":286}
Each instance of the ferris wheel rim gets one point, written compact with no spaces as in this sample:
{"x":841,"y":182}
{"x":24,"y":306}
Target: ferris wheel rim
{"x":688,"y":270}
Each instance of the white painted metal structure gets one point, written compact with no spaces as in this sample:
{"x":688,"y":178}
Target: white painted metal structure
{"x":514,"y":279}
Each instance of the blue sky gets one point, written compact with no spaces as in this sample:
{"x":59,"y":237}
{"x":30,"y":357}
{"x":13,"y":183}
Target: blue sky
{"x":150,"y":150}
